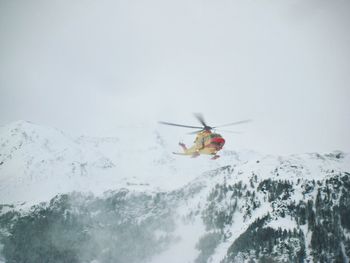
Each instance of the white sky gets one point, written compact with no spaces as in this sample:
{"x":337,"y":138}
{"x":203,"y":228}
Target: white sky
{"x":96,"y":67}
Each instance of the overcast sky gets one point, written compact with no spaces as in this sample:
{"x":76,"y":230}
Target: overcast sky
{"x":96,"y":67}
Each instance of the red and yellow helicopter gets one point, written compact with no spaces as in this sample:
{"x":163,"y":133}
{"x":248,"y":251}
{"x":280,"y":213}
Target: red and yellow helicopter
{"x":206,"y":142}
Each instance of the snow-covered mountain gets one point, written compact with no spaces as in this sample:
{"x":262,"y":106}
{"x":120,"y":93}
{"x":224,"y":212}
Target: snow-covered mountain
{"x":38,"y":162}
{"x":35,"y":160}
{"x":134,"y":202}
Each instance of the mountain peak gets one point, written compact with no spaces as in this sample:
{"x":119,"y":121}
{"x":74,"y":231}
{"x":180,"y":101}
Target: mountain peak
{"x":39,"y":156}
{"x":19,"y":124}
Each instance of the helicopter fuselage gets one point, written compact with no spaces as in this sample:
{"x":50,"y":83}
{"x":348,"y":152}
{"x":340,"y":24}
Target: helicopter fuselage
{"x":206,"y":139}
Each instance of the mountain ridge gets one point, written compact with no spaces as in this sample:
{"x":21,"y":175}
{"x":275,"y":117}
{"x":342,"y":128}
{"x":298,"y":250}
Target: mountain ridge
{"x":246,"y":207}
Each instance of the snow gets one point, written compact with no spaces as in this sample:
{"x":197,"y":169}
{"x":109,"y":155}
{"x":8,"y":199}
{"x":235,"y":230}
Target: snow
{"x":283,"y":223}
{"x":346,"y":233}
{"x":37,"y":163}
{"x":346,"y":258}
{"x":188,"y":235}
{"x":307,"y":237}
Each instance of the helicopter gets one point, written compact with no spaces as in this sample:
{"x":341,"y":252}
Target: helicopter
{"x":206,"y":142}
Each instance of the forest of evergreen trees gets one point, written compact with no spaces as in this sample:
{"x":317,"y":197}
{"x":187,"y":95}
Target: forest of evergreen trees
{"x":124,"y":226}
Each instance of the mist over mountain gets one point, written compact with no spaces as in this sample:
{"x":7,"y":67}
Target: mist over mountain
{"x":96,"y":200}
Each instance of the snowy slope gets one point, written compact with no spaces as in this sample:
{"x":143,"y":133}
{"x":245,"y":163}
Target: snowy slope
{"x":38,"y":162}
{"x":235,"y":197}
{"x":243,"y":207}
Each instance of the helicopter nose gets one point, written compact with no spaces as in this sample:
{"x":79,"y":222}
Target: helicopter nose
{"x":219,"y":142}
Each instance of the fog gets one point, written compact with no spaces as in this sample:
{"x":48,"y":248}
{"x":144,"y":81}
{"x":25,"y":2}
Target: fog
{"x":100,"y":67}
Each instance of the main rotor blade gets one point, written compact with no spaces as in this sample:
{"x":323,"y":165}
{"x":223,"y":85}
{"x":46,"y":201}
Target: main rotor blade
{"x":195,"y":132}
{"x":233,"y":123}
{"x":200,"y":118}
{"x":179,"y":125}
